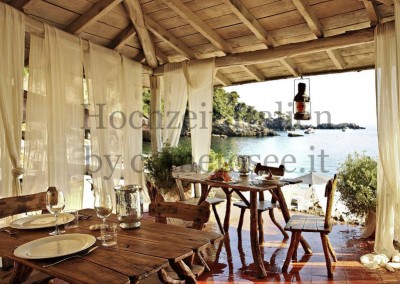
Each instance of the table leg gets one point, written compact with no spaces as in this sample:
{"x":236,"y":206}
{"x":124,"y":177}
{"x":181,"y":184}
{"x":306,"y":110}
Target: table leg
{"x":204,"y":193}
{"x":286,"y":216}
{"x":20,"y":273}
{"x":255,"y":246}
{"x":228,"y":209}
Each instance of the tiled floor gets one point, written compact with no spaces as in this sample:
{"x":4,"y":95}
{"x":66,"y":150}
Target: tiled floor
{"x":232,"y":262}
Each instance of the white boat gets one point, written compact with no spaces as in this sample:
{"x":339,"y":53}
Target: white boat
{"x":309,"y":130}
{"x":346,"y":129}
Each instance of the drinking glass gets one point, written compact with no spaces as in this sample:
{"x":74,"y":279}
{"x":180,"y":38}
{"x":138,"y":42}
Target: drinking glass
{"x":55,"y":203}
{"x":103,"y":206}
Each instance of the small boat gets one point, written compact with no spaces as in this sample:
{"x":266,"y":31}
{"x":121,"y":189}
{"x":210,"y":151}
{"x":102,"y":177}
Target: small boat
{"x":346,"y":129}
{"x":292,"y":134}
{"x":309,"y":130}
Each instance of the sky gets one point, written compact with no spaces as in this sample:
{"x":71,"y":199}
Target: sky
{"x":348,"y":97}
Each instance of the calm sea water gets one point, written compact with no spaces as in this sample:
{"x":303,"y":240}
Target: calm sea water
{"x":321,"y":152}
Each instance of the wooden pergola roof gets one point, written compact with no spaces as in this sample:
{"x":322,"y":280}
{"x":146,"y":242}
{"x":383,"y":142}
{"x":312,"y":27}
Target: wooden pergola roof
{"x":252,"y":40}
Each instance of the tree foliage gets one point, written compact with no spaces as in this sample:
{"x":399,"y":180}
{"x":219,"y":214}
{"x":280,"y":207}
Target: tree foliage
{"x":357,"y":183}
{"x":159,"y":165}
{"x":226,"y":105}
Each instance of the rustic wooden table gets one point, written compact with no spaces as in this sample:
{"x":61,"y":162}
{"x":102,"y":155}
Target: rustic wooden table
{"x":256,"y":191}
{"x":138,"y":254}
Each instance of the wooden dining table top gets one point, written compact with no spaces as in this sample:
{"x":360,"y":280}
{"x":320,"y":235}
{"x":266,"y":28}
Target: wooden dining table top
{"x":242,"y":183}
{"x":139,"y":253}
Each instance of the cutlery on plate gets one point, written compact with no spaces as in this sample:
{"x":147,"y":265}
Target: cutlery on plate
{"x":72,"y":256}
{"x":7,"y":231}
{"x":85,"y":217}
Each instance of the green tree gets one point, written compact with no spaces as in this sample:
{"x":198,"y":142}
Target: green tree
{"x":146,"y":102}
{"x":357,"y":183}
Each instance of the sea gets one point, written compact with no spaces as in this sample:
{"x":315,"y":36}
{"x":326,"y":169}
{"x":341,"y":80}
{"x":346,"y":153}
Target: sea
{"x":322,"y":151}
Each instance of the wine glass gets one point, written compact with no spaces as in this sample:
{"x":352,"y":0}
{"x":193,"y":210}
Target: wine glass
{"x":55,"y":203}
{"x":103,"y":206}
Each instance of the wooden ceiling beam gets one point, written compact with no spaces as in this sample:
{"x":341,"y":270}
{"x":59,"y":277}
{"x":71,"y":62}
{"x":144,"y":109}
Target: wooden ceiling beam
{"x":136,"y":15}
{"x":372,"y":12}
{"x":254,"y":72}
{"x":97,"y":11}
{"x":168,"y":38}
{"x":161,"y":56}
{"x":291,"y":66}
{"x":258,"y":30}
{"x":336,"y":58}
{"x":119,"y":42}
{"x":251,"y":22}
{"x":198,"y":24}
{"x":23,"y":4}
{"x":36,"y":27}
{"x":222,"y":79}
{"x":347,"y":39}
{"x":313,"y":22}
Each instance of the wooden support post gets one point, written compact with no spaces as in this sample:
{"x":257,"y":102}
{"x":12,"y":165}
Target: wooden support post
{"x":155,"y":113}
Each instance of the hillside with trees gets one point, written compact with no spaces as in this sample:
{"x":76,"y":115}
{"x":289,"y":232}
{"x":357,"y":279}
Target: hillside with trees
{"x":234,"y":118}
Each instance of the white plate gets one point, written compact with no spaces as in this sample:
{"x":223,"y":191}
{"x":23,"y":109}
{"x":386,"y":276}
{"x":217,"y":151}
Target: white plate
{"x":55,"y":246}
{"x":233,"y":181}
{"x":41,"y":221}
{"x":267,"y":181}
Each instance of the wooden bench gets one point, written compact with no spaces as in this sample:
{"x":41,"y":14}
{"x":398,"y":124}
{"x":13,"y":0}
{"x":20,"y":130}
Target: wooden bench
{"x":322,"y":225}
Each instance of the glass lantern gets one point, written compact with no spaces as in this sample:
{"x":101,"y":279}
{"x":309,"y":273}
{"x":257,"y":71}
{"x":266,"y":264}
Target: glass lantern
{"x":301,"y":101}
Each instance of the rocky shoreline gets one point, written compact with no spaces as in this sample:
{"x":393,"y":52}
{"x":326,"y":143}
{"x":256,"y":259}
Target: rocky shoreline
{"x":230,"y":128}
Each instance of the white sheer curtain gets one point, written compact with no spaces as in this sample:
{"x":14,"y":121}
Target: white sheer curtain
{"x":12,"y":45}
{"x":103,"y":77}
{"x":132,"y":107}
{"x":54,"y":125}
{"x":387,"y":77}
{"x":175,"y":101}
{"x":387,"y":63}
{"x":201,"y":90}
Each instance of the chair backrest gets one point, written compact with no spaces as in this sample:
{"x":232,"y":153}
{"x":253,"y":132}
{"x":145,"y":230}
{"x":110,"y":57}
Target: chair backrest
{"x":330,"y":189}
{"x":10,"y":206}
{"x":161,"y":210}
{"x":280,"y":171}
{"x":185,"y":169}
{"x":181,"y":171}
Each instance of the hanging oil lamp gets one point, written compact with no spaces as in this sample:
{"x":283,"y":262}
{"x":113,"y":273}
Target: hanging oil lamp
{"x":301,"y":101}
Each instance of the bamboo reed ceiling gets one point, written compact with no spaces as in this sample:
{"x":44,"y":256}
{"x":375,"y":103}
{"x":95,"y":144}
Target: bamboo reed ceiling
{"x":252,"y":40}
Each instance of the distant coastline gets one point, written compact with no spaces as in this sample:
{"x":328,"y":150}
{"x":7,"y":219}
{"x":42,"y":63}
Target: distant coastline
{"x":349,"y":125}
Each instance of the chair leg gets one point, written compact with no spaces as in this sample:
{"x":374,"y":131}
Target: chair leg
{"x":324,"y":239}
{"x":240,"y":225}
{"x":166,"y":279}
{"x":290,"y":251}
{"x":272,"y":216}
{"x":202,"y":261}
{"x":331,"y":250}
{"x":214,"y":207}
{"x":260,"y":228}
{"x":296,"y":246}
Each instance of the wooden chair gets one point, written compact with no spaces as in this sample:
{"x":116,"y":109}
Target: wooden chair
{"x":199,"y":215}
{"x":263,"y":205}
{"x":213,"y":201}
{"x":11,"y":206}
{"x":322,"y":225}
